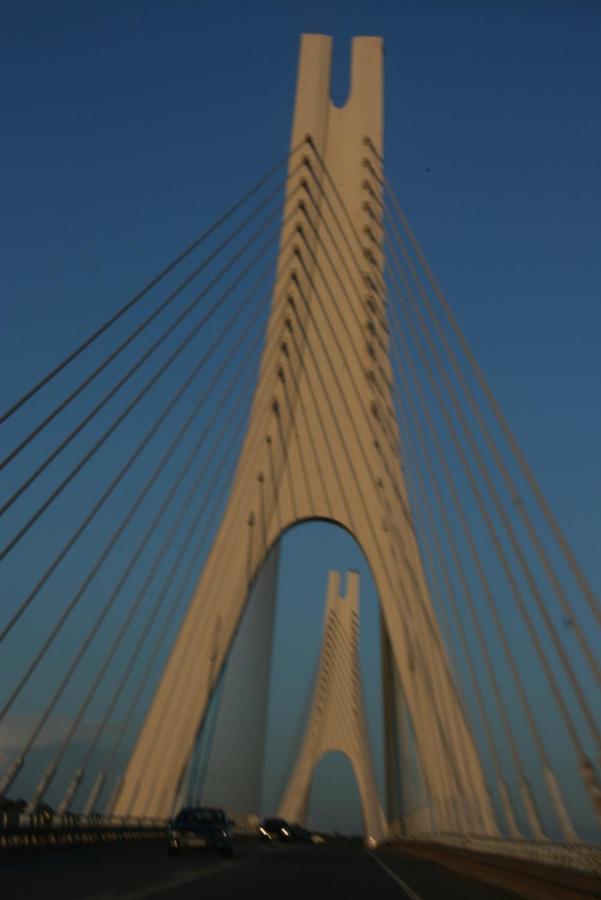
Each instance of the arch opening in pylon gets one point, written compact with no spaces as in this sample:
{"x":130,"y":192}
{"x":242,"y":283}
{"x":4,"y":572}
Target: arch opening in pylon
{"x":307,"y":552}
{"x":334,"y":801}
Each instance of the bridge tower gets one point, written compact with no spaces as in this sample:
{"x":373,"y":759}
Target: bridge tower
{"x":337,"y":717}
{"x":322,"y":442}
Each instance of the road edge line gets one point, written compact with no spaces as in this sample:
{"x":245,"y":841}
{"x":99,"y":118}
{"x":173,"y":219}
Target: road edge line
{"x":403,"y":884}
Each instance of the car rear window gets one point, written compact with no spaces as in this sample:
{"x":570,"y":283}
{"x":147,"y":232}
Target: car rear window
{"x":198,"y":816}
{"x":274,"y":823}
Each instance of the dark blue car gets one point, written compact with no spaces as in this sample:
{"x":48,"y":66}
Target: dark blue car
{"x":200,"y":827}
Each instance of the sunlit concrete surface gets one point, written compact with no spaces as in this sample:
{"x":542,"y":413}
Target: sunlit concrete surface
{"x":337,"y":720}
{"x":490,"y":735}
{"x":285,"y":477}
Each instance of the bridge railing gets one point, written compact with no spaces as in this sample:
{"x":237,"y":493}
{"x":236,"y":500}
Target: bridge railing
{"x":38,"y":829}
{"x":582,"y":857}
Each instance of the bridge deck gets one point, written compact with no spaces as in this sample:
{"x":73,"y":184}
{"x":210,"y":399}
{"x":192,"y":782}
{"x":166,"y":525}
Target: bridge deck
{"x":299,"y":871}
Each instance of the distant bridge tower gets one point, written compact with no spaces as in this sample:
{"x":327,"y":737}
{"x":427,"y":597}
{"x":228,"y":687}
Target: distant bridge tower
{"x":322,"y":443}
{"x":337,"y":718}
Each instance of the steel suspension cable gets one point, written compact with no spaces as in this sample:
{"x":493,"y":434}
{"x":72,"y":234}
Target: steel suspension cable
{"x":318,"y":468}
{"x":111,"y":600}
{"x":162,"y":594}
{"x":331,"y":294}
{"x":430,"y":528}
{"x":370,"y":425}
{"x":277,"y":345}
{"x":567,"y":609}
{"x":195,"y":371}
{"x":195,"y":769}
{"x":588,"y":775}
{"x":163,"y":508}
{"x":125,"y":343}
{"x":354,"y":258}
{"x":109,"y":490}
{"x":440,"y":731}
{"x":286,"y":436}
{"x":54,"y":632}
{"x":268,"y":356}
{"x":441,"y":507}
{"x":154,"y":281}
{"x":425,"y":540}
{"x":172,"y":613}
{"x":183,"y":315}
{"x":187,"y":662}
{"x":324,"y":223}
{"x":213,"y":677}
{"x":490,"y":527}
{"x":586,"y":770}
{"x":531,"y":809}
{"x":351,"y":465}
{"x":552,"y":523}
{"x":394,"y":445}
{"x":489,"y":596}
{"x":341,"y":202}
{"x":291,"y":411}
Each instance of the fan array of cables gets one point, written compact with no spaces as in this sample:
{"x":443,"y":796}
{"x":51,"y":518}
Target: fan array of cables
{"x":120,"y":464}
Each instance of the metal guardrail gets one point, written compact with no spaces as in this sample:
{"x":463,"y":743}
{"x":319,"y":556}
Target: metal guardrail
{"x":19,"y":830}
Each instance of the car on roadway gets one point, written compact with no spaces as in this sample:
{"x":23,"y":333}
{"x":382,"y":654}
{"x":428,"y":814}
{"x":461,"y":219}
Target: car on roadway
{"x":276,"y":830}
{"x":197,"y":827}
{"x":300,"y":834}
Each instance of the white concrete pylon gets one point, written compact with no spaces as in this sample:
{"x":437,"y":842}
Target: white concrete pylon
{"x":337,"y":718}
{"x":322,"y":443}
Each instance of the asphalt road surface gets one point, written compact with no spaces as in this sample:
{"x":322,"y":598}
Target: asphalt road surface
{"x":285,"y":872}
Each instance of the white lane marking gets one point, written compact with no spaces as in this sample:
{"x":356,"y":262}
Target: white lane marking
{"x":410,"y":893}
{"x":175,"y":881}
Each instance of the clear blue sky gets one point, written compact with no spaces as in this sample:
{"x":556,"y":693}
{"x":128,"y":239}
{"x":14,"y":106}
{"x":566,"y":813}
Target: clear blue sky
{"x":129,"y":126}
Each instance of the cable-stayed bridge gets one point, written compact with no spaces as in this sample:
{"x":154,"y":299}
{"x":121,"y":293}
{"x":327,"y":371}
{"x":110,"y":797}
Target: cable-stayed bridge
{"x":298,"y":361}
